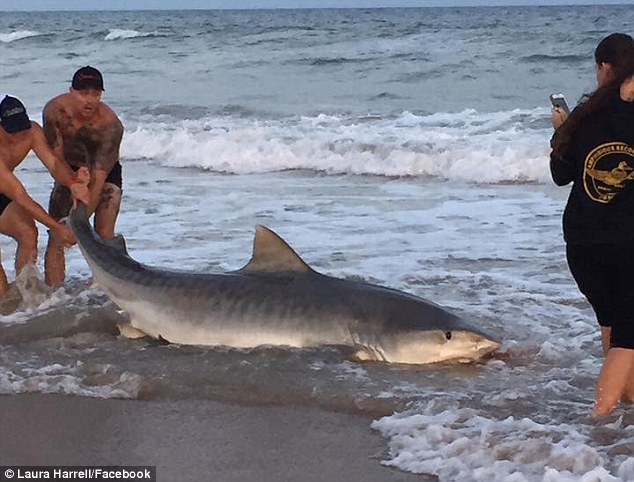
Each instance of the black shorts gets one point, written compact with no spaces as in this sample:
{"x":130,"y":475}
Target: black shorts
{"x":61,"y":200}
{"x":605,"y":275}
{"x":114,"y":176}
{"x":4,"y":202}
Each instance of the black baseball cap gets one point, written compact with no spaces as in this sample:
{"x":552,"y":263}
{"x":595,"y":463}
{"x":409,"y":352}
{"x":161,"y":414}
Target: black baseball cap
{"x":87,"y":78}
{"x":13,"y":117}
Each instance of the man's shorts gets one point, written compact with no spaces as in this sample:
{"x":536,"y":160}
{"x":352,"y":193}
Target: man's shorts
{"x":4,"y":202}
{"x":605,"y":275}
{"x":61,"y":200}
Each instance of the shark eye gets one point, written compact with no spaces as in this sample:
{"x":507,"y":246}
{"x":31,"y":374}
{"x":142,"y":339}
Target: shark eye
{"x":448,"y":335}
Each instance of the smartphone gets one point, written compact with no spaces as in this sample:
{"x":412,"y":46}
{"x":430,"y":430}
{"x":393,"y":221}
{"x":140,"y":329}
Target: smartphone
{"x":558,"y":100}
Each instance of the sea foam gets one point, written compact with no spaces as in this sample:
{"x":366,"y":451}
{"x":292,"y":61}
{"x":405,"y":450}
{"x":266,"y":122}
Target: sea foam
{"x":18,"y":35}
{"x":461,"y":444}
{"x":497,"y":147}
{"x":117,"y":33}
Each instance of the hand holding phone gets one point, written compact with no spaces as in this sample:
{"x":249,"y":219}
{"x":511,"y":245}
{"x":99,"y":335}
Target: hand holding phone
{"x":558,"y":100}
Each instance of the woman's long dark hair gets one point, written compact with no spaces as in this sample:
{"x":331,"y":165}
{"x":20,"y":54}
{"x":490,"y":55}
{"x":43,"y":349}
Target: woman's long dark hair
{"x":613,"y":49}
{"x":596,"y":102}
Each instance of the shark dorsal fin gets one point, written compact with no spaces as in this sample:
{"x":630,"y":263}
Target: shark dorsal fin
{"x":117,"y":243}
{"x":271,"y":254}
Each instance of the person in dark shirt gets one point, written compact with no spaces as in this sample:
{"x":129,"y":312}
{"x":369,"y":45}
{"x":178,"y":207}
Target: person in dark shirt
{"x":594,"y":149}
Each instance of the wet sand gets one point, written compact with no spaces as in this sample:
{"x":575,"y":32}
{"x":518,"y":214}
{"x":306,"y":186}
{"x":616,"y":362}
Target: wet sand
{"x":194,"y":440}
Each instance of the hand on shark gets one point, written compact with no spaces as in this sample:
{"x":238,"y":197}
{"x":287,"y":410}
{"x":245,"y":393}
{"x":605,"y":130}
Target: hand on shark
{"x":80,"y":193}
{"x":63,"y":232}
{"x":79,"y":188}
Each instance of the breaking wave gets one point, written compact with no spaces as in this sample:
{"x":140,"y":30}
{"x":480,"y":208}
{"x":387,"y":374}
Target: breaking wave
{"x":499,"y":147}
{"x":18,"y":35}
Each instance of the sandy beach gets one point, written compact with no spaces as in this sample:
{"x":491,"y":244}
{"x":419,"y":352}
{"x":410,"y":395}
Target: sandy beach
{"x":194,"y":440}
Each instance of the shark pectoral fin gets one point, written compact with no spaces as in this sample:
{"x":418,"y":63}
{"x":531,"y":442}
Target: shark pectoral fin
{"x":272,"y":254}
{"x":368,"y":353}
{"x":363,"y":353}
{"x":129,"y":331}
{"x":117,"y":243}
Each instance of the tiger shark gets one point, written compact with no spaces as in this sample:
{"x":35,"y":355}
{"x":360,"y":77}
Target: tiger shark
{"x":277,"y":299}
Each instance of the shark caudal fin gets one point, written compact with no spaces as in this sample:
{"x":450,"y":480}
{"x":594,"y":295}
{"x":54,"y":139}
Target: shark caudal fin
{"x":117,"y":243}
{"x":78,"y":213}
{"x":78,"y":221}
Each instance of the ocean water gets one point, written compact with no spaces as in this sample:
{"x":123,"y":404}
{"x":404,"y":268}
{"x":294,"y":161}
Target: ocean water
{"x":405,"y":147}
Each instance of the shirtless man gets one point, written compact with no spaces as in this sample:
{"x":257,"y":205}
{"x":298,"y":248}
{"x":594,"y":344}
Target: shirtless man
{"x":18,"y":210}
{"x":84,"y":131}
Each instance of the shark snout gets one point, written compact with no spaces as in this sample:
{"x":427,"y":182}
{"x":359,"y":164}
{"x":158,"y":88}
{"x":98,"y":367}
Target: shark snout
{"x":487,"y":345}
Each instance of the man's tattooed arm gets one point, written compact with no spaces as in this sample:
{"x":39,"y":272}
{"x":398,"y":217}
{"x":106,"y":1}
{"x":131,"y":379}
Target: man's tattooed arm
{"x":50,"y":118}
{"x":107,"y":153}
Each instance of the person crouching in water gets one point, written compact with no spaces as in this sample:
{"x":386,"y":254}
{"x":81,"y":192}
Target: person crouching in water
{"x":18,"y":211}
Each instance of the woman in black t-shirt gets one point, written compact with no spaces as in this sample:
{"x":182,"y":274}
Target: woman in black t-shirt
{"x":594,"y":149}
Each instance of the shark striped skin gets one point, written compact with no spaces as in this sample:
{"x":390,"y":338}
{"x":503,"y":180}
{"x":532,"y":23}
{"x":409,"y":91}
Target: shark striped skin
{"x":277,"y":299}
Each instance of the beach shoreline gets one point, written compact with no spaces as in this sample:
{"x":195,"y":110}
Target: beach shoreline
{"x":194,"y":440}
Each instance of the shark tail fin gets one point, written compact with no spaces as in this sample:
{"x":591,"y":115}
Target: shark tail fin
{"x":78,"y":219}
{"x":117,"y":243}
{"x":79,"y":212}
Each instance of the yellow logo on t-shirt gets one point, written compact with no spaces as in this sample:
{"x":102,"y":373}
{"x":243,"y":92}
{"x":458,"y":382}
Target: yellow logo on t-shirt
{"x":607,"y":170}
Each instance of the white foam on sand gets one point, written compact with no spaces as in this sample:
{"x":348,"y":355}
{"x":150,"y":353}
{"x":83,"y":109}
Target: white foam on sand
{"x":27,"y":294}
{"x":100,"y":381}
{"x":460,"y":444}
